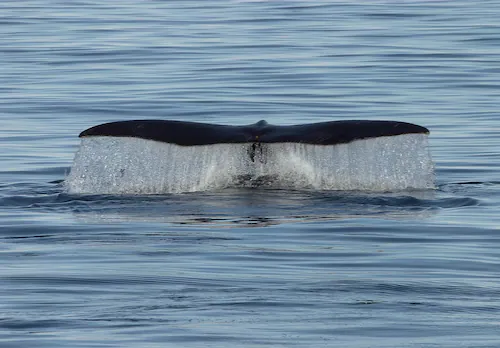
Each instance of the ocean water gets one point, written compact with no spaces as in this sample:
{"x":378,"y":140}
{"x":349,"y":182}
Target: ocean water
{"x":255,"y":265}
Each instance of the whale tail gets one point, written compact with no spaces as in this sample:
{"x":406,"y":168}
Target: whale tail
{"x":194,"y":133}
{"x":257,"y":134}
{"x":187,"y":156}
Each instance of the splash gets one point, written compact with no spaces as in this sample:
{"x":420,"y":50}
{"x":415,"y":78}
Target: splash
{"x":111,"y":165}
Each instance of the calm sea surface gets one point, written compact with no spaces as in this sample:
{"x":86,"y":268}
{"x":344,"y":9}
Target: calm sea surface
{"x":249,"y":267}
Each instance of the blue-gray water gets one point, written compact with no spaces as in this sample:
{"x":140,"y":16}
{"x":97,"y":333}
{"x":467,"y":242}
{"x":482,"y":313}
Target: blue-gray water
{"x":249,"y":267}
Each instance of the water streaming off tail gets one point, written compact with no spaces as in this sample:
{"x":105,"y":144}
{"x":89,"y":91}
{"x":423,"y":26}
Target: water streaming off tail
{"x":137,"y":166}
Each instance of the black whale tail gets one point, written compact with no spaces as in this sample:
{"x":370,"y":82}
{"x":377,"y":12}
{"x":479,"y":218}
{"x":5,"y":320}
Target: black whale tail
{"x":189,"y":156}
{"x":194,"y":133}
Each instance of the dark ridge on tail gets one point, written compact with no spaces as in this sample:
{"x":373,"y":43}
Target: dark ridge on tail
{"x":194,"y":133}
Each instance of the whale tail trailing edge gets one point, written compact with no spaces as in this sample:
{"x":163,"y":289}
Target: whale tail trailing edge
{"x":194,"y":133}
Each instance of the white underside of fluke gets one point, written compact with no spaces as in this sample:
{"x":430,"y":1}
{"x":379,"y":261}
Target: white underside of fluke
{"x":116,"y":165}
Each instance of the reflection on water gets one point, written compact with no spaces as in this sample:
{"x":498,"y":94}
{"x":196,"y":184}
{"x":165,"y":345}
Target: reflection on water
{"x":257,"y":207}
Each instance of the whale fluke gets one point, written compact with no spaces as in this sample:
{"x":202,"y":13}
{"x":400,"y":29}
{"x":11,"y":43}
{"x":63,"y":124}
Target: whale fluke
{"x":157,"y":157}
{"x":194,"y":133}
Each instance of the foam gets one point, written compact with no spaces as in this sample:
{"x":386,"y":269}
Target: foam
{"x":113,"y":165}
